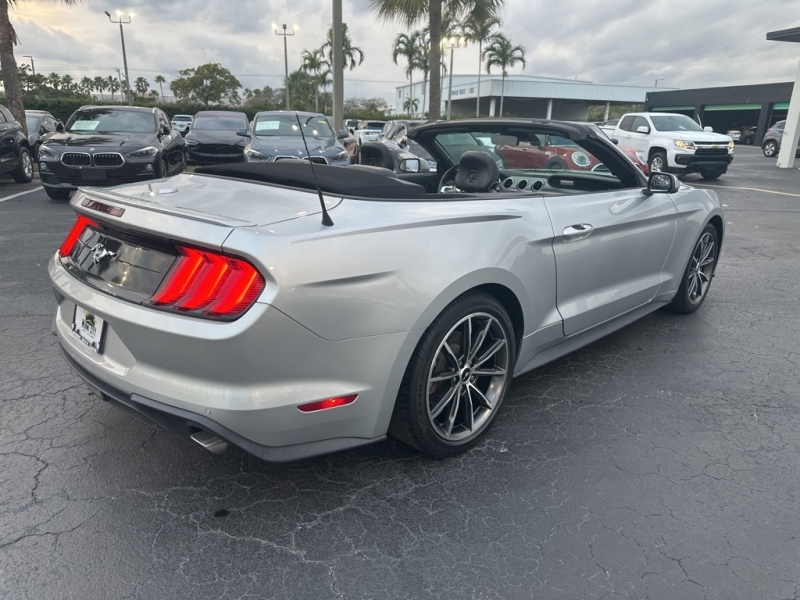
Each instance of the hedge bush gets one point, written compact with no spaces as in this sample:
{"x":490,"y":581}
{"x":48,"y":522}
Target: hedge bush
{"x":62,"y":108}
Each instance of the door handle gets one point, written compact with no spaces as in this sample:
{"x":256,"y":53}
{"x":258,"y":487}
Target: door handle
{"x":577,"y":232}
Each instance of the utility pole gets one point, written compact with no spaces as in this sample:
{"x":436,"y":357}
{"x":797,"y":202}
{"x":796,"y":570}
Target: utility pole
{"x":285,"y":33}
{"x":451,"y":44}
{"x":338,"y":67}
{"x":122,"y":22}
{"x":33,"y":67}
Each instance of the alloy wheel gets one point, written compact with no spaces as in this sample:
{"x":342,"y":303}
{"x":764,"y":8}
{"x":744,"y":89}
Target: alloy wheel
{"x":701,"y":268}
{"x":467,"y":376}
{"x":770,"y":148}
{"x":27,"y":165}
{"x":656,"y":164}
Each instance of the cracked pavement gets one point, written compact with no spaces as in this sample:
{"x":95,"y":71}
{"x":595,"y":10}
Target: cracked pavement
{"x":659,"y":462}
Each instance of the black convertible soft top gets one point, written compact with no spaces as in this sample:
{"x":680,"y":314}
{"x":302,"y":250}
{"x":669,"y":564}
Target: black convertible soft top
{"x":337,"y":181}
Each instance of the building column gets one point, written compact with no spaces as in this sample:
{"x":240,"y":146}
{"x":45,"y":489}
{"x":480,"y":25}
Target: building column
{"x":792,"y":131}
{"x":608,"y":109}
{"x":492,"y":106}
{"x":549,"y":109}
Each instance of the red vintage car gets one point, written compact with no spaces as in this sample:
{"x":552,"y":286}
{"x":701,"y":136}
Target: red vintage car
{"x":553,"y":153}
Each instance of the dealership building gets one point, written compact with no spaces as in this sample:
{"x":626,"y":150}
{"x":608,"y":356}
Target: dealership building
{"x":725,"y":108}
{"x":524,"y":96}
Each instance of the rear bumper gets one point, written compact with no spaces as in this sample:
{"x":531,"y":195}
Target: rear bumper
{"x":241,"y":380}
{"x":183,"y":423}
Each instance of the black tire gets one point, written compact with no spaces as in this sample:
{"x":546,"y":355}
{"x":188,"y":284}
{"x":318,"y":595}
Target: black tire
{"x":412,"y":420}
{"x":683,"y":301}
{"x":57,"y":193}
{"x":657,"y":162}
{"x":24,"y":171}
{"x":163,"y":168}
{"x":770,"y":148}
{"x":556,"y":164}
{"x":748,"y":141}
{"x":711,"y":175}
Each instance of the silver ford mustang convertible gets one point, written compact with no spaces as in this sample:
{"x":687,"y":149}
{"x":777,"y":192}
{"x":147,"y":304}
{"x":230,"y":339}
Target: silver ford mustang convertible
{"x":294,"y":309}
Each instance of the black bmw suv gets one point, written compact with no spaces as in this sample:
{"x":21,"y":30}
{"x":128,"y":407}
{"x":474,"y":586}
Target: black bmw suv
{"x":15,"y":151}
{"x":109,"y":145}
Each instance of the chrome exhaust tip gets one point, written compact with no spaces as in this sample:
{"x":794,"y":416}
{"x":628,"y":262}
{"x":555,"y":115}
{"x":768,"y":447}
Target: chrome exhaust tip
{"x":209,"y":441}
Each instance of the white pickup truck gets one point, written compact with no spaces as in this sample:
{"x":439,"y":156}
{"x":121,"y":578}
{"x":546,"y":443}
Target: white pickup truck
{"x":675,"y":143}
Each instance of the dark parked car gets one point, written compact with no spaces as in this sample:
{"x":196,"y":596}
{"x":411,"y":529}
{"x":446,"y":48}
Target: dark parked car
{"x":105,"y":145}
{"x":401,"y":147}
{"x":743,"y":135}
{"x":15,"y":152}
{"x":214,"y":138}
{"x":771,"y":144}
{"x":276,"y":136}
{"x":41,"y":126}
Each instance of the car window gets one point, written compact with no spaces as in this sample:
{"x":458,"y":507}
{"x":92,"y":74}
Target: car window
{"x":674,"y":123}
{"x":639,"y":122}
{"x":780,"y":125}
{"x":219,"y":122}
{"x":268,"y":125}
{"x":32,"y":123}
{"x":49,"y":124}
{"x":106,"y":120}
{"x":7,"y":114}
{"x":163,"y":120}
{"x":626,"y":123}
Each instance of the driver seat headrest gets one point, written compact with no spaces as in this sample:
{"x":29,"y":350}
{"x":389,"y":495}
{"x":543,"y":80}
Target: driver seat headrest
{"x":375,"y":154}
{"x":477,"y":171}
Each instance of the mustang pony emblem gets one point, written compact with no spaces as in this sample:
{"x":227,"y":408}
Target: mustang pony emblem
{"x":99,"y":252}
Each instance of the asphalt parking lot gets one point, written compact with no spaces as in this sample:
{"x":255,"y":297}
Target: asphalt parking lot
{"x":660,"y":462}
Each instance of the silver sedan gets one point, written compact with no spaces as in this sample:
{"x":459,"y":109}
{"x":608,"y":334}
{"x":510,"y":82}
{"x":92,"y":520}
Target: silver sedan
{"x":294,"y":309}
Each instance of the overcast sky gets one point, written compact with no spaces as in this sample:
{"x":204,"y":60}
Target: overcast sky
{"x":632,"y":42}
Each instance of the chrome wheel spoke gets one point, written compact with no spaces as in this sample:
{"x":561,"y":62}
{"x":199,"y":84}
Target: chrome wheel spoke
{"x":489,"y":372}
{"x":449,"y":352}
{"x":692,"y":285}
{"x":448,"y":397}
{"x":481,"y":338}
{"x":443,"y":377}
{"x":498,"y":344}
{"x":466,"y":344}
{"x":481,"y":397}
{"x":451,"y":418}
{"x":469,"y":411}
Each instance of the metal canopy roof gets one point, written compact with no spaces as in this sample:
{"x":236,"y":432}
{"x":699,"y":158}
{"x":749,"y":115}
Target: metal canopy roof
{"x":785,"y":35}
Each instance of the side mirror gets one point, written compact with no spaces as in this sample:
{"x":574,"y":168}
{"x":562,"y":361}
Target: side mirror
{"x":60,"y":127}
{"x":662,"y":183}
{"x":351,"y":130}
{"x":242,"y":133}
{"x":165,"y":130}
{"x":643,"y":129}
{"x":343,"y":133}
{"x":709,"y":129}
{"x":409,"y":165}
{"x":614,"y":141}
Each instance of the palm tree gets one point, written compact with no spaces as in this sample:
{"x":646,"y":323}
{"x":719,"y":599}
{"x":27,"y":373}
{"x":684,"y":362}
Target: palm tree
{"x":502,"y":53}
{"x":8,"y":64}
{"x":159,"y":79}
{"x":314,"y":64}
{"x":112,"y":85}
{"x":349,"y":52}
{"x":480,"y":31}
{"x":54,"y":79}
{"x":67,"y":83}
{"x":408,"y":46}
{"x":410,"y":105}
{"x":141,"y":85}
{"x":410,"y":12}
{"x":86,"y":85}
{"x":154,"y":94}
{"x":100,"y":85}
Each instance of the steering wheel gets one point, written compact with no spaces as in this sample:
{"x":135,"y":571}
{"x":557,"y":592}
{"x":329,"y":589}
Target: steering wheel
{"x":448,"y":180}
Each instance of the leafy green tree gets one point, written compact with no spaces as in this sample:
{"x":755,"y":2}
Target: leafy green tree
{"x":86,"y":85}
{"x":480,"y":31}
{"x":154,"y":94}
{"x":408,"y":46}
{"x":366,"y":108}
{"x":502,"y":53}
{"x":266,"y":98}
{"x":301,"y":90}
{"x":159,"y":79}
{"x":410,"y":12}
{"x":112,"y":85}
{"x":141,"y":85}
{"x":353,"y":56}
{"x":411,"y":105}
{"x":53,"y":79}
{"x":206,"y":84}
{"x":316,"y":66}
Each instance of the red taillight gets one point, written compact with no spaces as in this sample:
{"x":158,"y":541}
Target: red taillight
{"x":216,"y":285}
{"x":326,"y":404}
{"x":75,"y":234}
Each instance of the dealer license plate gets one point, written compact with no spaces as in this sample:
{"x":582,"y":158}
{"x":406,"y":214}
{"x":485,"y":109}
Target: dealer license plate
{"x":88,"y":328}
{"x":93,"y":174}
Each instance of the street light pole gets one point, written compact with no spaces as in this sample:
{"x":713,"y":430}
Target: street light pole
{"x":285,"y":34}
{"x":122,"y":22}
{"x":657,"y":80}
{"x":338,"y":66}
{"x":33,"y":67}
{"x":451,"y":44}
